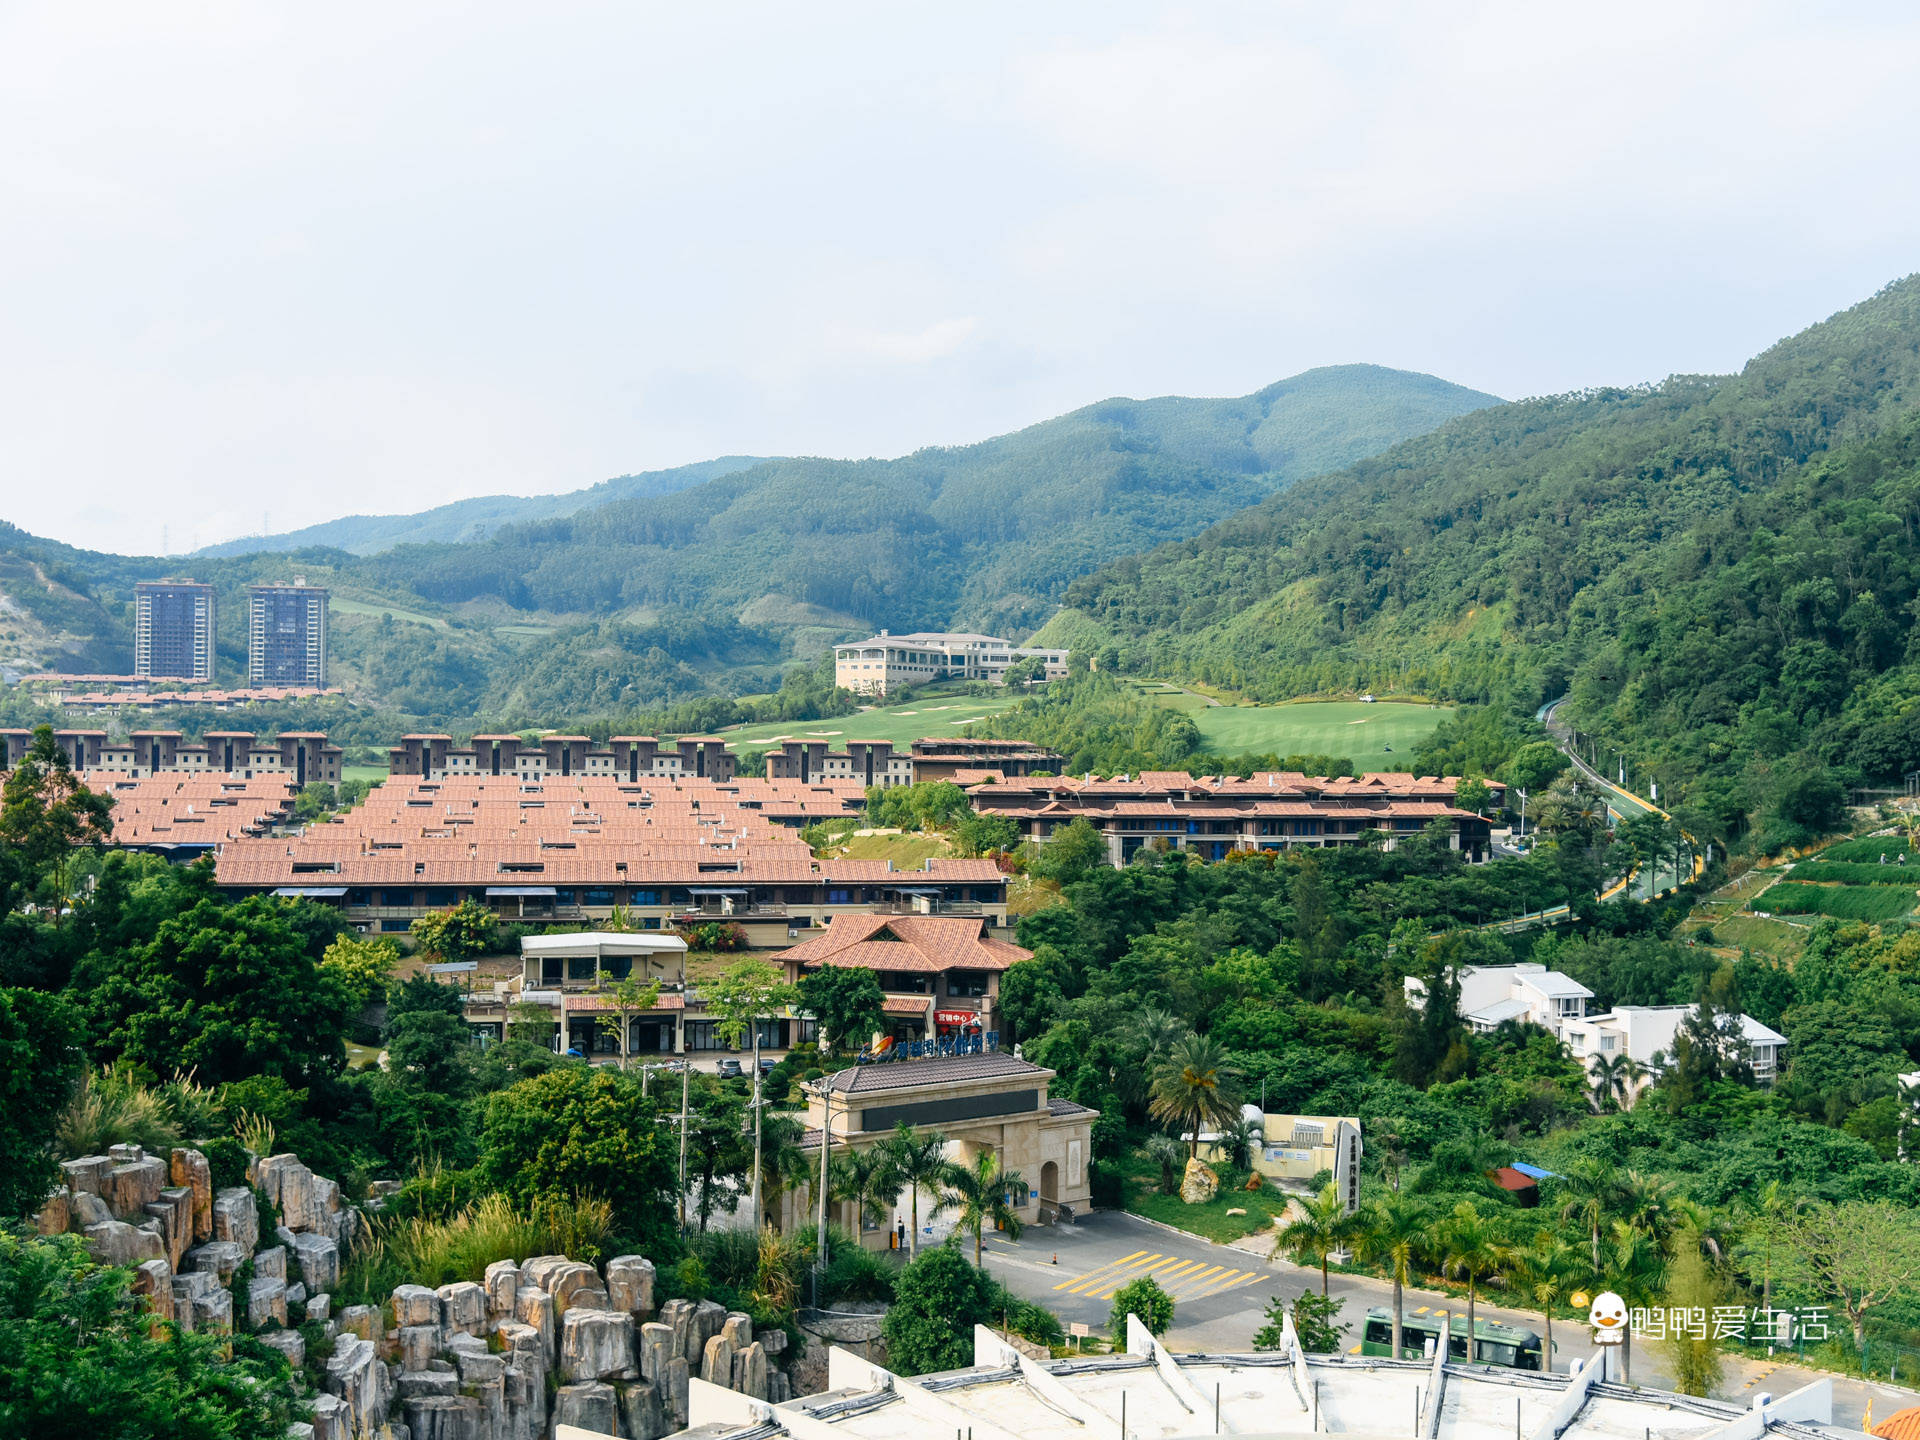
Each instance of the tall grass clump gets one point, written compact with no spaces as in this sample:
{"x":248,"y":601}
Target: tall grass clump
{"x":430,"y":1251}
{"x":113,"y":1107}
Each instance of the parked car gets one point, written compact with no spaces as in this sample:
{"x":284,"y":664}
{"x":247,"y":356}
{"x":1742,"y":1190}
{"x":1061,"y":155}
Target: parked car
{"x":730,"y":1069}
{"x":766,"y":1065}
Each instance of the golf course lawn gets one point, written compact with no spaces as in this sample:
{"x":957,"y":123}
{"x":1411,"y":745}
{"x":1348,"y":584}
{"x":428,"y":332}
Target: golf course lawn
{"x":1321,"y":727}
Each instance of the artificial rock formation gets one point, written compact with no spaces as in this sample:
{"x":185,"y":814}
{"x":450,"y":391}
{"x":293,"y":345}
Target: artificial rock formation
{"x":1199,"y":1184}
{"x":534,"y":1343}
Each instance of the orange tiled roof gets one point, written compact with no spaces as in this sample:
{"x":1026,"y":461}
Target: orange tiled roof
{"x":923,"y":943}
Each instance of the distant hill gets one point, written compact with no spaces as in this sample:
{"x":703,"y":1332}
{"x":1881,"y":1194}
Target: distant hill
{"x":474,"y":519}
{"x":1723,"y":570}
{"x":977,"y":536}
{"x":679,"y":583}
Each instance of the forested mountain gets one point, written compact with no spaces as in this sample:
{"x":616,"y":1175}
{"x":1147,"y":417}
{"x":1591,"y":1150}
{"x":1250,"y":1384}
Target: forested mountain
{"x":647,"y":600}
{"x":1720,"y":568}
{"x":477,"y":518}
{"x":978,"y":536}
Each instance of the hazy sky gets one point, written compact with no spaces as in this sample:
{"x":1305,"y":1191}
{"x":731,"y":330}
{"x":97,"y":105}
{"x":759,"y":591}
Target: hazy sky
{"x":306,"y":260}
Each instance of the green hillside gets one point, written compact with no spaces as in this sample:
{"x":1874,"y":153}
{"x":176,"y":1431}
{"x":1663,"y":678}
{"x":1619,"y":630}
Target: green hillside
{"x":645,"y":600}
{"x":474,"y":519}
{"x":980,"y":536}
{"x":1720,"y":569}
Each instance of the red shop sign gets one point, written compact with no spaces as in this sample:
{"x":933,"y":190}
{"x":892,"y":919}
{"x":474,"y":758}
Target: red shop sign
{"x":955,"y":1017}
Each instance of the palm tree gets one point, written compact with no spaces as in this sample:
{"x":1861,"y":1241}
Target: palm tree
{"x":1165,"y":1152}
{"x":1636,"y":1270}
{"x":1468,"y":1249}
{"x":1393,"y":1231}
{"x":865,"y":1178}
{"x":1589,"y":1189}
{"x":1603,"y":1080}
{"x":1649,"y":1204}
{"x":1545,"y":1272}
{"x":1770,"y":1207}
{"x":979,"y":1192}
{"x":917,"y":1161}
{"x":1238,"y":1140}
{"x":1626,"y":1081}
{"x":1191,"y":1089}
{"x":1161,"y":1030}
{"x":1322,"y":1227}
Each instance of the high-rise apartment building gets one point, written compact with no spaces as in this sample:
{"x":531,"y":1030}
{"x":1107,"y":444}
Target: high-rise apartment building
{"x":173,"y":629}
{"x":287,"y":634}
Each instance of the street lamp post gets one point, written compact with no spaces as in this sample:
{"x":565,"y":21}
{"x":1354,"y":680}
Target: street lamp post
{"x":826,"y":1148}
{"x":686,"y":1080}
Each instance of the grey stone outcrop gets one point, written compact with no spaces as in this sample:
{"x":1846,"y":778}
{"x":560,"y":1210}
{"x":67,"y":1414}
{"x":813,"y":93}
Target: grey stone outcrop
{"x":536,"y":1342}
{"x":596,"y":1345}
{"x":236,"y":1217}
{"x":588,"y":1404}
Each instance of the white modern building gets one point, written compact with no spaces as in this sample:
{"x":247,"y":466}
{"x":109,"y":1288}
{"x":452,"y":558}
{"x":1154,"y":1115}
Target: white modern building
{"x":1492,"y":995}
{"x":888,"y":661}
{"x":1149,"y":1391}
{"x":1644,"y":1034}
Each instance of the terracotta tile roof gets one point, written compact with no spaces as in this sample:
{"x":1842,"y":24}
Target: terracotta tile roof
{"x":923,"y":944}
{"x":915,"y":1005}
{"x":182,"y":808}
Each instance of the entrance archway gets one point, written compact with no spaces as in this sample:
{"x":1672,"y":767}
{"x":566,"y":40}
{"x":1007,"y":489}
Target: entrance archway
{"x":1049,"y":1190}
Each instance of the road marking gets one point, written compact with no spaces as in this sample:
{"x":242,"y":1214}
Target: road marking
{"x":1208,"y":1276}
{"x":1421,"y":1311}
{"x":1106,"y":1289}
{"x":1109,"y":1274}
{"x":1089,"y":1274}
{"x":1215,"y":1284}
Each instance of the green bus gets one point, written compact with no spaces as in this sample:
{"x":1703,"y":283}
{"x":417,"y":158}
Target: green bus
{"x":1493,"y":1344}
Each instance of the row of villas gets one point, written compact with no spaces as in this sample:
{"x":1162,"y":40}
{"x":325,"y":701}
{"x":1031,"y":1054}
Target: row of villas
{"x":663,"y":851}
{"x":628,"y":757}
{"x":299,"y":756}
{"x":876,"y":762}
{"x":1496,"y":995}
{"x":1211,"y":816}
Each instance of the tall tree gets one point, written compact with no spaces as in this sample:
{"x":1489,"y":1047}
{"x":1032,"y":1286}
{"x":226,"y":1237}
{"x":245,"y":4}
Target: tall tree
{"x":847,"y":1003}
{"x":1191,"y":1089}
{"x":46,"y":814}
{"x":629,"y":996}
{"x":747,"y":992}
{"x":919,"y":1162}
{"x":980,"y":1194}
{"x":1321,"y":1227}
{"x":1589,"y":1189}
{"x":1864,"y":1254}
{"x":1394,"y":1231}
{"x":1546,"y":1271}
{"x":40,"y":1065}
{"x":1468,"y":1248}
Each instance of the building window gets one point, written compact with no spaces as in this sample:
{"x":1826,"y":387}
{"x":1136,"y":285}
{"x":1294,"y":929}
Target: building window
{"x":967,"y":984}
{"x":402,"y":898}
{"x":580,"y":967}
{"x":393,"y":927}
{"x":704,"y":1035}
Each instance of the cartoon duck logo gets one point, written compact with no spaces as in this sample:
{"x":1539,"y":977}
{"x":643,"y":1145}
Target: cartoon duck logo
{"x":1608,"y":1318}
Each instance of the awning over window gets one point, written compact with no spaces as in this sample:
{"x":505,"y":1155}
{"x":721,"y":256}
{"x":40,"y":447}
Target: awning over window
{"x":312,"y":892}
{"x":524,"y":892}
{"x":694,"y":890}
{"x":935,"y":891}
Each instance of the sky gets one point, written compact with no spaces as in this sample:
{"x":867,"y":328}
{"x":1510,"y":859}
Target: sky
{"x":265,"y":264}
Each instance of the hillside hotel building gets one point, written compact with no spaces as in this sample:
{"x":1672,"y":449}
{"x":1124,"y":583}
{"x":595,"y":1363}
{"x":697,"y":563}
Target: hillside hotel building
{"x":887,"y":662}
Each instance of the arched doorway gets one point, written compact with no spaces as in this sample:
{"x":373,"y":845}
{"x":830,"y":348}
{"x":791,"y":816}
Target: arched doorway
{"x":1049,"y":1190}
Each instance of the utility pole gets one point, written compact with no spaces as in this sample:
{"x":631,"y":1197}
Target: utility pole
{"x":826,"y":1148}
{"x":757,"y":1221}
{"x":686,"y":1079}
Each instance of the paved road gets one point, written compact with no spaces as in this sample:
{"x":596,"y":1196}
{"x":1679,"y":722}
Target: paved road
{"x":1221,"y":1293}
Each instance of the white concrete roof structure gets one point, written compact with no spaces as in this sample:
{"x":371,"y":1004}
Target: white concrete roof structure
{"x":1149,"y":1392}
{"x":602,"y":942}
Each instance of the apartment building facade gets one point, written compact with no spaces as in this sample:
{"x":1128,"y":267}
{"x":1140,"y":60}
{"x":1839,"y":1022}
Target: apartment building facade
{"x":173,"y":630}
{"x":876,"y":762}
{"x":888,"y":662}
{"x":631,"y":758}
{"x":297,"y":756}
{"x":287,"y":635}
{"x":1211,"y":816}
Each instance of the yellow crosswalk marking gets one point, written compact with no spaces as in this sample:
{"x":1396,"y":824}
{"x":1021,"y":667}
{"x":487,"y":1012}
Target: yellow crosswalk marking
{"x":1108,"y":1287}
{"x":1207,"y":1276}
{"x":1250,"y":1275}
{"x":1113,"y":1274}
{"x":1089,"y":1274}
{"x":1421,"y":1311}
{"x":1220,"y":1282}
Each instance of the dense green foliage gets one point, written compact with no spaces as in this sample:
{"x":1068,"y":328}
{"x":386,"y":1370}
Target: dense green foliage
{"x":77,"y":1359}
{"x":1717,"y":568}
{"x":937,"y":1300}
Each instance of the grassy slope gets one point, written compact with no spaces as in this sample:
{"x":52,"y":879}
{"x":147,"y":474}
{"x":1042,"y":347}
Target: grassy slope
{"x":1331,"y":727}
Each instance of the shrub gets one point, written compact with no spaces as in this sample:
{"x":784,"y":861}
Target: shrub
{"x":1145,"y":1299}
{"x":419,"y":1250}
{"x":937,"y":1300}
{"x":855,"y":1273}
